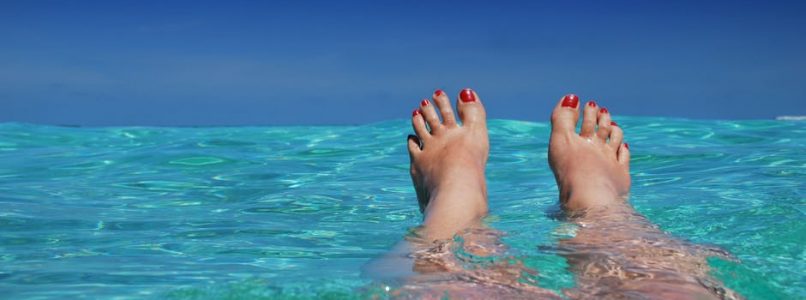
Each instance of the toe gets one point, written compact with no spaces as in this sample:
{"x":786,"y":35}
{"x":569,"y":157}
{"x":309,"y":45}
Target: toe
{"x":589,"y":119}
{"x":471,"y":112}
{"x":418,"y":123}
{"x":603,"y":120}
{"x":430,"y":115}
{"x":414,"y":146}
{"x":616,"y":136}
{"x":445,"y":109}
{"x":565,"y":115}
{"x":624,"y":155}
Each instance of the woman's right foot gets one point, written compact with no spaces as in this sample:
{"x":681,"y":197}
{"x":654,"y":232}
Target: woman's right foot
{"x":592,"y":168}
{"x":616,"y":252}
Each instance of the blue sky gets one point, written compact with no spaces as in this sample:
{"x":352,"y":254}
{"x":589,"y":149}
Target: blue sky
{"x":334,"y":62}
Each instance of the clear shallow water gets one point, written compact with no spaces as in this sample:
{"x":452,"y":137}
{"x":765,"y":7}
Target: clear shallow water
{"x":296,"y":211}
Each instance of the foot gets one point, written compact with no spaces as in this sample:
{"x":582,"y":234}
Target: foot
{"x":616,"y":253}
{"x":592,"y":168}
{"x":448,"y":161}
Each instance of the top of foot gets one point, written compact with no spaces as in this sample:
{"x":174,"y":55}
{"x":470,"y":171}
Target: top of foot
{"x":448,"y":161}
{"x":592,"y":167}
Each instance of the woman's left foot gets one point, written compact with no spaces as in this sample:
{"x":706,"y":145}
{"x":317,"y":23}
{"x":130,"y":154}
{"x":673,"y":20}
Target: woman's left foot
{"x":448,"y":162}
{"x":592,"y":168}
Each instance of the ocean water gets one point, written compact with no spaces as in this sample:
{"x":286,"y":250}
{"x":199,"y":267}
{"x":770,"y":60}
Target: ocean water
{"x":295,"y":212}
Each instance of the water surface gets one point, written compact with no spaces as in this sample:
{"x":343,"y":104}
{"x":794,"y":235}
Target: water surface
{"x":138,"y":212}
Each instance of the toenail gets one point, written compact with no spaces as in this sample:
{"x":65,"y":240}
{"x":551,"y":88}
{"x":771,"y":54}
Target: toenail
{"x":570,"y":100}
{"x":603,"y":110}
{"x":592,"y":103}
{"x":424,"y":102}
{"x":415,"y":112}
{"x":467,"y":95}
{"x":438,"y":93}
{"x":613,"y":123}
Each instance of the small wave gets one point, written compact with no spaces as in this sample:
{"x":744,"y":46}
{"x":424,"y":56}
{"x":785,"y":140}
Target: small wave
{"x":791,"y":118}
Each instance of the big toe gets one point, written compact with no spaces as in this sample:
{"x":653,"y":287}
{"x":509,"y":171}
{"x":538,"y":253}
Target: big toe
{"x":565,"y":115}
{"x":470,"y":109}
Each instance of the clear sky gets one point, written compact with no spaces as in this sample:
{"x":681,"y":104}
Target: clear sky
{"x":340,"y":62}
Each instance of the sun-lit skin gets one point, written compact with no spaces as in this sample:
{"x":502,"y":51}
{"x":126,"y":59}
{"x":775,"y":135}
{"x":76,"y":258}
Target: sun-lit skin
{"x":615,"y":252}
{"x":448,"y":162}
{"x":592,"y":168}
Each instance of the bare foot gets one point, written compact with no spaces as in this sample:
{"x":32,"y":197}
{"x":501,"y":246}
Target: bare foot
{"x":448,"y":161}
{"x":447,"y":168}
{"x":592,"y":168}
{"x":617,"y":253}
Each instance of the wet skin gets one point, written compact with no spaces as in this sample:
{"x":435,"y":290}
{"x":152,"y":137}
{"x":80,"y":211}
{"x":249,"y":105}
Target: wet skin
{"x":615,"y":252}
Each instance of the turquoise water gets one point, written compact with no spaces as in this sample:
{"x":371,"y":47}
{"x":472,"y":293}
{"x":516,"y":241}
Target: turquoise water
{"x":244,"y":212}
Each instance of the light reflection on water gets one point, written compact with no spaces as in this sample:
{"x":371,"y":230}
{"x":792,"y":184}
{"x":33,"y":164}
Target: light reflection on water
{"x":297,"y":211}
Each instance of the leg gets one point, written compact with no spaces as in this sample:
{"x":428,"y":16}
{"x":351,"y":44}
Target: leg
{"x":616,"y":252}
{"x":447,"y":169}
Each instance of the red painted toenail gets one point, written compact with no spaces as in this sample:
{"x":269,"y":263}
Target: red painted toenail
{"x":613,"y":123}
{"x":438,"y":93}
{"x":415,"y":112}
{"x":603,"y":110}
{"x":467,"y":95}
{"x":626,"y":145}
{"x":592,"y":103}
{"x":570,"y":100}
{"x":424,"y":102}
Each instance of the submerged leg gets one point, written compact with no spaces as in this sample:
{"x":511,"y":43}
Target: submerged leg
{"x":447,"y":169}
{"x":616,"y":252}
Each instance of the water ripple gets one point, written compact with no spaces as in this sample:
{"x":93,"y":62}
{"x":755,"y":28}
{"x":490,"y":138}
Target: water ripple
{"x":296,"y":211}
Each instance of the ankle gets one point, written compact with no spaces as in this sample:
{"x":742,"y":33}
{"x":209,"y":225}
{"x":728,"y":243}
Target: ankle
{"x":590,"y":196}
{"x":465,"y":197}
{"x":462,"y":201}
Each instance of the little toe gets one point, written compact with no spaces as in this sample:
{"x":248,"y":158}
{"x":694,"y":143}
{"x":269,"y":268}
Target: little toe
{"x":624,"y":155}
{"x":589,"y":119}
{"x":565,"y":115}
{"x":471,"y":112}
{"x":413,"y":145}
{"x":603,"y":120}
{"x":616,"y":136}
{"x":418,"y":123}
{"x":445,"y":109}
{"x":430,"y":115}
